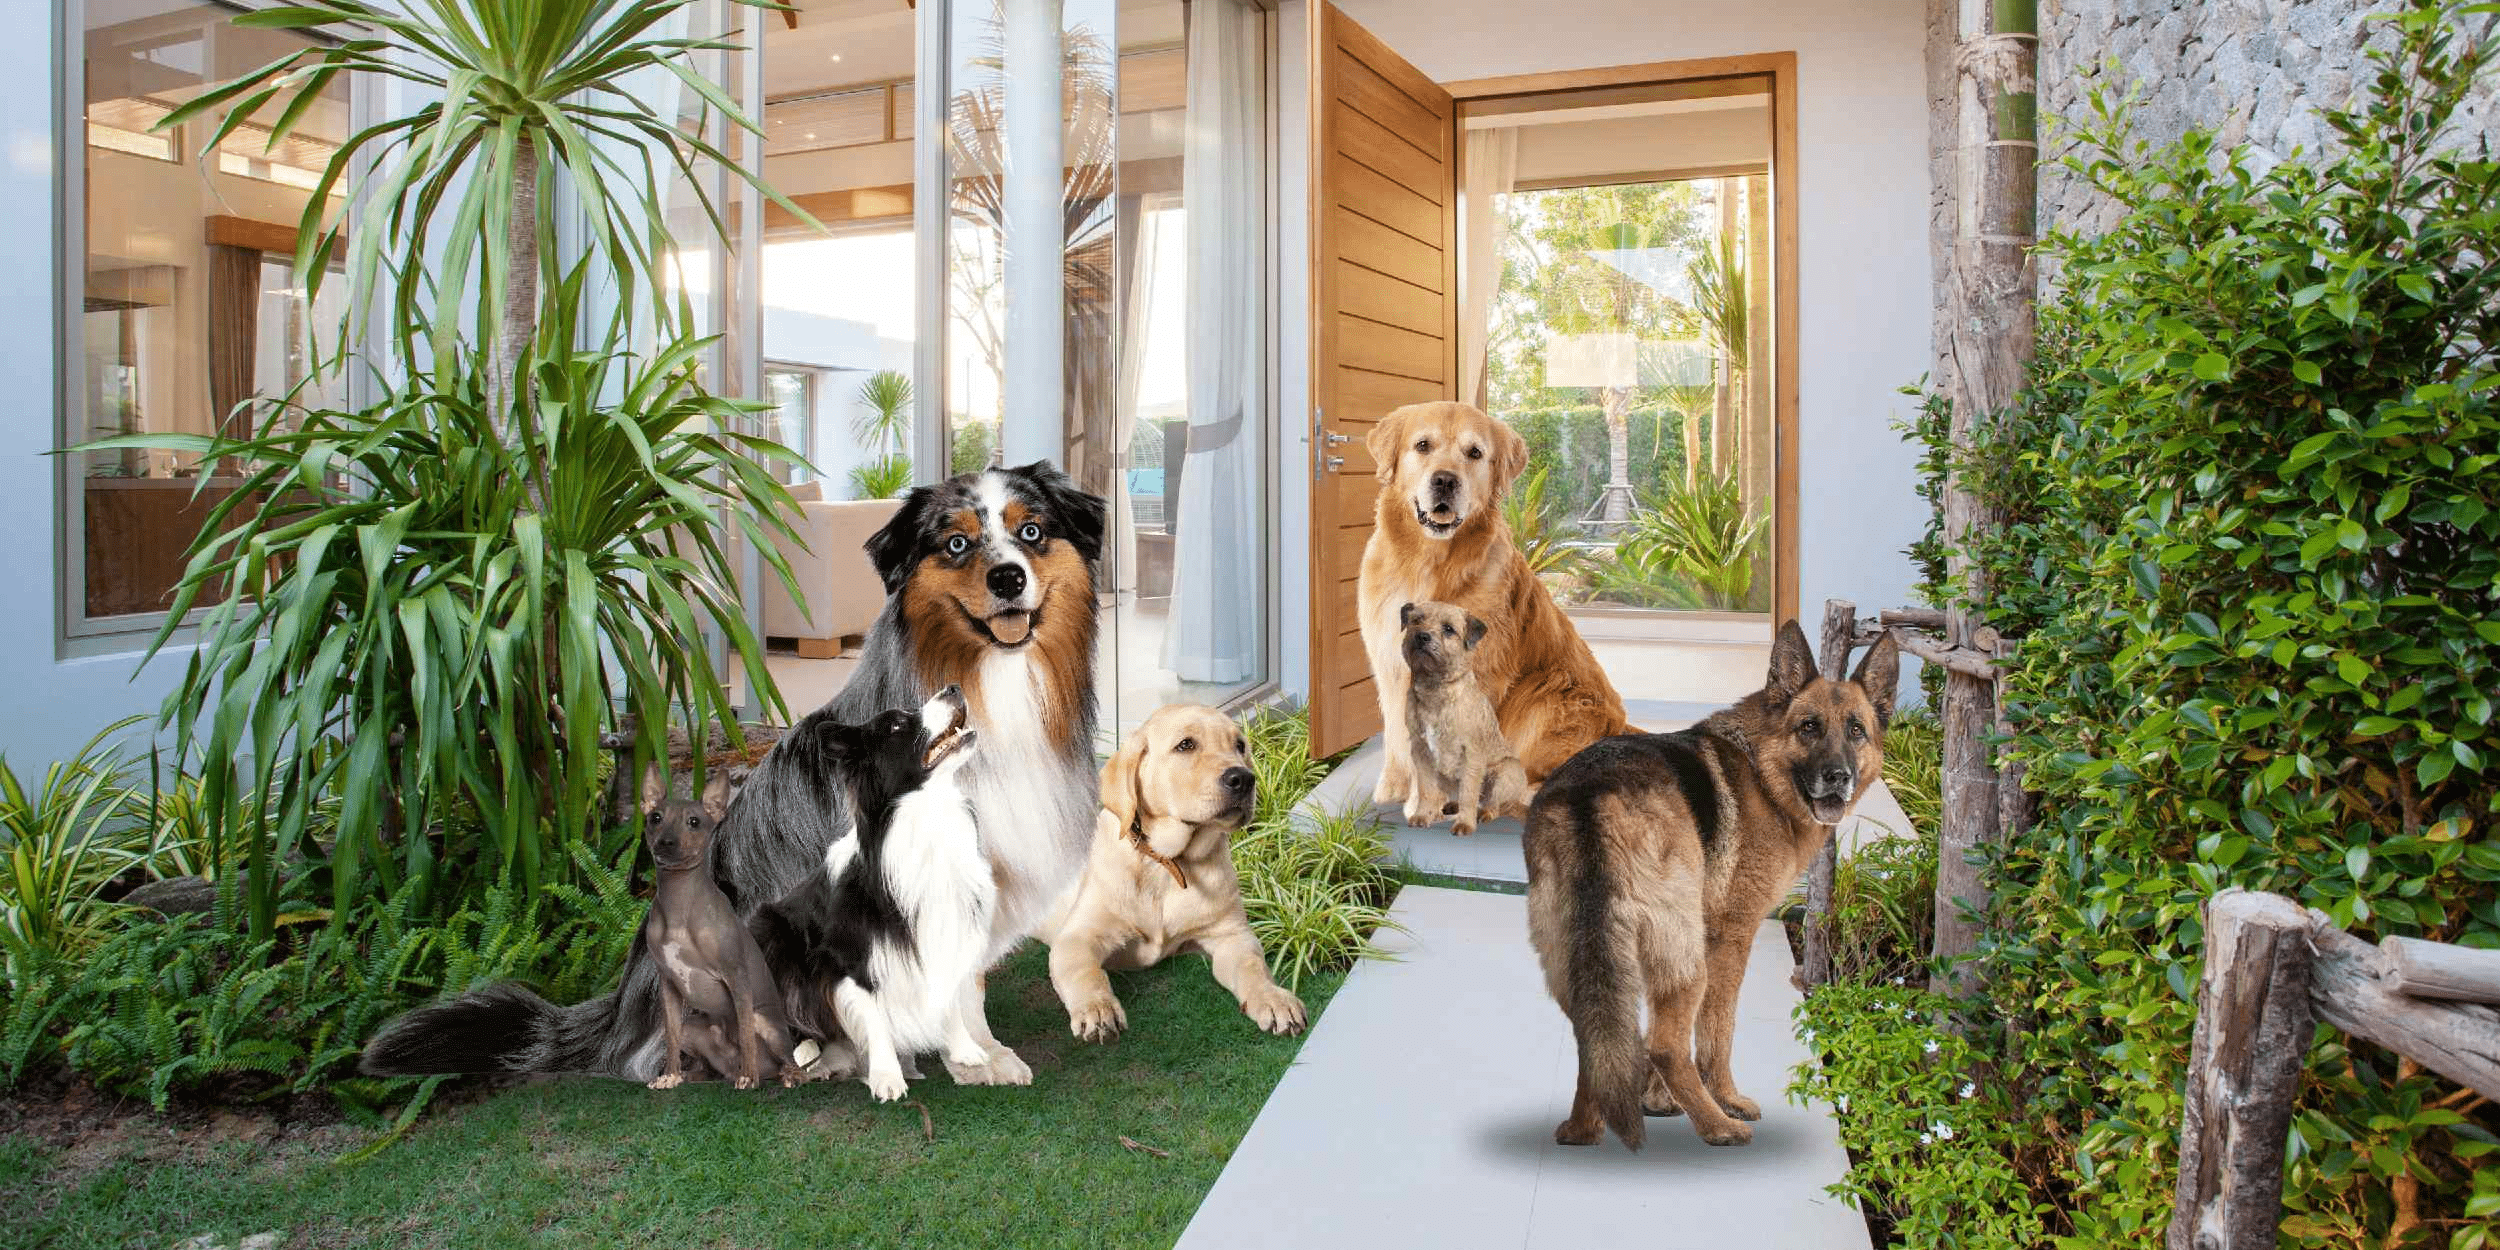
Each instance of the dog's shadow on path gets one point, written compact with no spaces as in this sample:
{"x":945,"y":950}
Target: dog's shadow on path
{"x":1783,"y":1136}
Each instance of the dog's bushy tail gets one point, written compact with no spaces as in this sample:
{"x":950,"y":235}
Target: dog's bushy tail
{"x":1589,"y":939}
{"x":1605,"y":1011}
{"x":502,"y":1028}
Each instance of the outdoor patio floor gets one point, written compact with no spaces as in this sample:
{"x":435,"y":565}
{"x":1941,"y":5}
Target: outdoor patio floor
{"x":1421,"y":1113}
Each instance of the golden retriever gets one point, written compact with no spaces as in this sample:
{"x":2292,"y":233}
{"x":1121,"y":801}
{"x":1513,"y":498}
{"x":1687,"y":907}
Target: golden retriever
{"x":1159,"y":879}
{"x":1439,"y":535}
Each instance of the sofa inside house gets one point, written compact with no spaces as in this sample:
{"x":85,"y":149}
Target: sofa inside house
{"x":843,"y":593}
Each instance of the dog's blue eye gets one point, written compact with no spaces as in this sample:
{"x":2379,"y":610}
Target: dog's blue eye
{"x":1029,"y":532}
{"x":958,"y":545}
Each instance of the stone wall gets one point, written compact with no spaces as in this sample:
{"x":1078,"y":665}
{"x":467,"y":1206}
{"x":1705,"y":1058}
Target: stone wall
{"x":2255,"y":71}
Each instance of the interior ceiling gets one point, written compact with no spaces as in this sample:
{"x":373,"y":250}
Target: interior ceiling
{"x":874,"y":41}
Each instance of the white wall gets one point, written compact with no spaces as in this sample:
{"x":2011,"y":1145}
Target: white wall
{"x":48,"y":704}
{"x":1863,"y":277}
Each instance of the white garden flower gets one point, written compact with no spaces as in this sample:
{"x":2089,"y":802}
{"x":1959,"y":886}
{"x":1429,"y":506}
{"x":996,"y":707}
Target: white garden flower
{"x":1970,"y":1089}
{"x":1942,"y":1131}
{"x":1842,"y":1103}
{"x":1933,"y":1046}
{"x":1926,"y":1139}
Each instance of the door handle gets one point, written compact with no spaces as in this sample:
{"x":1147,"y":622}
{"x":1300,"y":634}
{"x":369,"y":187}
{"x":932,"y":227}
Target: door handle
{"x":1334,"y":463}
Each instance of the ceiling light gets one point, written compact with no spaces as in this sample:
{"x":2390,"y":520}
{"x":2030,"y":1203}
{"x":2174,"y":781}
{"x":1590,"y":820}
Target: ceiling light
{"x":835,"y":57}
{"x":811,"y":134}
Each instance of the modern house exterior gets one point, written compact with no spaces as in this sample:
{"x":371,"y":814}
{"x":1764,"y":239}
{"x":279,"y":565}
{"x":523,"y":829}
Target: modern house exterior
{"x":1269,"y":221}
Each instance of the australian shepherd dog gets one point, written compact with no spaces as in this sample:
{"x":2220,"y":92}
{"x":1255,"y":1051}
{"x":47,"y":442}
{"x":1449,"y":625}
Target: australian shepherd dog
{"x":989,"y":588}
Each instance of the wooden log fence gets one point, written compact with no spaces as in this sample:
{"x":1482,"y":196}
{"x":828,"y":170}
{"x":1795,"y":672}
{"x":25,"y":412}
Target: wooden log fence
{"x":2273,"y":969}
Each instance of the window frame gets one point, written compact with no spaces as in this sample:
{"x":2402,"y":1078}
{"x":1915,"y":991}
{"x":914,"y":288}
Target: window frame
{"x":78,"y":635}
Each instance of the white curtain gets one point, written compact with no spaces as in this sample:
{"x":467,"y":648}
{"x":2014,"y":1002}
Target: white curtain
{"x":1215,"y":624}
{"x":1491,"y":165}
{"x":1136,"y":251}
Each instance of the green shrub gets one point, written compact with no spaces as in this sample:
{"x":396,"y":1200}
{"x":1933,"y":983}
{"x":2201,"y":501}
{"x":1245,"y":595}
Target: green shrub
{"x":1939,"y":1155}
{"x":1571,"y":443}
{"x":1689,"y":547}
{"x":882,"y":479}
{"x":1914,"y":767}
{"x":60,"y":846}
{"x":196,"y":1004}
{"x":1539,"y":528}
{"x":2253,"y":494}
{"x":1315,"y":891}
{"x":971,"y":446}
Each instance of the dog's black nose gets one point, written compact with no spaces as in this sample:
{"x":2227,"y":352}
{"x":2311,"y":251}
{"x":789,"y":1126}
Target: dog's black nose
{"x":1006,"y":580}
{"x":1836,"y":778}
{"x":1444,"y":484}
{"x":1237,"y":781}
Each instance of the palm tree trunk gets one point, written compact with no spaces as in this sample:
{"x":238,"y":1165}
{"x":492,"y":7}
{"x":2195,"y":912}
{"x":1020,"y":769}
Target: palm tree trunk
{"x":520,"y":293}
{"x":1617,"y":403}
{"x":1690,"y":417}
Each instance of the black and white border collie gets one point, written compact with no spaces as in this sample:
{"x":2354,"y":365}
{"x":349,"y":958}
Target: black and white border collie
{"x":880,"y":944}
{"x":989,"y":587}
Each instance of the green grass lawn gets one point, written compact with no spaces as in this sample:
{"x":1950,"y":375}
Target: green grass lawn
{"x":586,"y":1162}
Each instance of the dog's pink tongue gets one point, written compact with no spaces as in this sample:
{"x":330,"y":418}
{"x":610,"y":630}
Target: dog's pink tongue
{"x":1011,"y":627}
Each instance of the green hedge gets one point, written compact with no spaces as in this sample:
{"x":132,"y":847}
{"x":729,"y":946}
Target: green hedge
{"x":2254,"y":555}
{"x":1572,"y":441}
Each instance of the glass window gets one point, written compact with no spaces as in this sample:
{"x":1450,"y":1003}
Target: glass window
{"x":188,"y":309}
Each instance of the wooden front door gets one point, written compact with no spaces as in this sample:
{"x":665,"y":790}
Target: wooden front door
{"x":1384,"y":324}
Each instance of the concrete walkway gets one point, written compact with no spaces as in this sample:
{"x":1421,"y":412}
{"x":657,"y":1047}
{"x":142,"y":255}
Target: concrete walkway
{"x":1421,"y":1113}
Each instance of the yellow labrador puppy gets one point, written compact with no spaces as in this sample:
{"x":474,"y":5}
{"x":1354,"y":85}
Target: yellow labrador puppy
{"x":1159,"y":878}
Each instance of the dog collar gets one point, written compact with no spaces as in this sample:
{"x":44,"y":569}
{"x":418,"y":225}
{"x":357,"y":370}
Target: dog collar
{"x":1137,"y":838}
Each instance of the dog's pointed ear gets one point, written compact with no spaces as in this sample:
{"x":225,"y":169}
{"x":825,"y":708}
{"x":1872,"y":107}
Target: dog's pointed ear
{"x":654,"y":786}
{"x":893,"y":547}
{"x":1792,"y":662}
{"x":1510,"y":454}
{"x":716,"y":795}
{"x":1406,"y":616}
{"x":1121,"y":795}
{"x":835,"y":738}
{"x":1080,"y":514}
{"x":1879,"y":675}
{"x":1475,"y":631}
{"x":1383,"y":443}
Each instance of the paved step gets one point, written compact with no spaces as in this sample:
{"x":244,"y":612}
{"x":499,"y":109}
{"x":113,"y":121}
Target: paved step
{"x":1421,"y":1113}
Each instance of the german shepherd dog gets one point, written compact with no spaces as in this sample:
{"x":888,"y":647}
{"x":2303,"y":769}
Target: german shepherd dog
{"x":989,"y":586}
{"x":1652,"y":859}
{"x":880,"y":944}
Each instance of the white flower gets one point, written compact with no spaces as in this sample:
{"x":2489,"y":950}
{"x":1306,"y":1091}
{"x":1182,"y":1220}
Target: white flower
{"x":1842,"y":1103}
{"x":1896,"y":981}
{"x":1942,"y":1130}
{"x":1932,"y":1046}
{"x":1970,"y":1089}
{"x":1926,"y":1139}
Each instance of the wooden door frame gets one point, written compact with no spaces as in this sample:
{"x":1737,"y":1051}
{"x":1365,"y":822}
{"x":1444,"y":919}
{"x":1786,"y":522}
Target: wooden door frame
{"x":1781,"y":69}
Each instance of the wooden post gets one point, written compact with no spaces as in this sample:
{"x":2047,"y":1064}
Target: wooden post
{"x":2252,"y":1036}
{"x":1990,"y":345}
{"x":1840,"y":628}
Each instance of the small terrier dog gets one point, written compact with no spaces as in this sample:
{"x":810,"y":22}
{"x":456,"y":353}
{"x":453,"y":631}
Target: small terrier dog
{"x":1463,"y":765}
{"x":709,"y":964}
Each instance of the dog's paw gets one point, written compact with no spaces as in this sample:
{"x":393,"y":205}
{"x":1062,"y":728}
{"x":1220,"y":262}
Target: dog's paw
{"x":1003,"y":1067}
{"x":1419,"y":815}
{"x":1099,"y":1019}
{"x":1574,"y":1133}
{"x":885,"y":1085}
{"x":1740,"y":1107}
{"x":1656,"y":1100}
{"x":1735,"y":1134}
{"x":668,"y":1080}
{"x":743,"y":1082}
{"x":1463,"y":826}
{"x":1274,"y":1010}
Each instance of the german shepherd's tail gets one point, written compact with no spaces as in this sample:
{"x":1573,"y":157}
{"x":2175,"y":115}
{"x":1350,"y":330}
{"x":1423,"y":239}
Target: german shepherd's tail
{"x":507,"y":1028}
{"x":1589,"y":938}
{"x":1604,"y":979}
